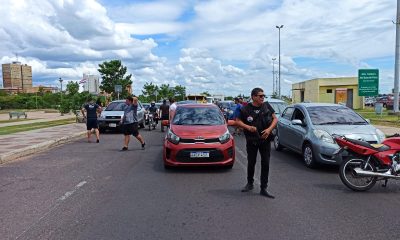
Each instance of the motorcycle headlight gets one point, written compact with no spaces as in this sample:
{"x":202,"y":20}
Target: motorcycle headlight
{"x":323,"y":136}
{"x":172,"y":137}
{"x":230,"y":111}
{"x":224,"y":138}
{"x":381,"y":135}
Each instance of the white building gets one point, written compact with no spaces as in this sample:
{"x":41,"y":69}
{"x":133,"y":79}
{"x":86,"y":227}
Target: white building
{"x":91,"y":83}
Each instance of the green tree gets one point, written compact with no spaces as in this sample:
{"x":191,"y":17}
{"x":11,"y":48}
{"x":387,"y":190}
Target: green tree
{"x":72,"y":88}
{"x":149,"y":90}
{"x":180,"y":92}
{"x":113,"y":73}
{"x":165,"y":91}
{"x":205,"y":93}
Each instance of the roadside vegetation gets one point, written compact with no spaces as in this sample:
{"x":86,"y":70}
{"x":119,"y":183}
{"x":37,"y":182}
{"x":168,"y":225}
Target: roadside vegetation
{"x":384,"y":119}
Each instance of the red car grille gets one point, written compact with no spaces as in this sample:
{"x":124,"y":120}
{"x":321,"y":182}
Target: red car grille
{"x":184,"y":156}
{"x":190,"y":140}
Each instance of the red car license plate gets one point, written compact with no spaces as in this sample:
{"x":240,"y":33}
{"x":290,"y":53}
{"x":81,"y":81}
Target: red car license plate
{"x":199,"y":154}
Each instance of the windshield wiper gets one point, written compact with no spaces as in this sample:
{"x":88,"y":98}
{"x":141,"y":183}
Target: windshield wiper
{"x":359,"y":123}
{"x":329,"y":123}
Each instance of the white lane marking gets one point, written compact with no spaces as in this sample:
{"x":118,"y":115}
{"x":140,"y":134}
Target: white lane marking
{"x":68,"y":194}
{"x":244,"y":167}
{"x":54,"y":207}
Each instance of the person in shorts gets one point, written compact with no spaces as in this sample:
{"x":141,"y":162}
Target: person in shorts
{"x":89,"y":112}
{"x":129,"y":122}
{"x":164,"y":112}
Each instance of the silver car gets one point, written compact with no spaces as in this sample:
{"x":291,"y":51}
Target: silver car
{"x":307,"y":128}
{"x":110,"y":117}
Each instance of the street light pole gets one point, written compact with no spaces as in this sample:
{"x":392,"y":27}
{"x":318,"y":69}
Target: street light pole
{"x":279,"y":32}
{"x":397,"y":61}
{"x":60,"y":80}
{"x":273,"y":76}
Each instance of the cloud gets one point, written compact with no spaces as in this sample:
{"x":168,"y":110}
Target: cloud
{"x":216,"y":46}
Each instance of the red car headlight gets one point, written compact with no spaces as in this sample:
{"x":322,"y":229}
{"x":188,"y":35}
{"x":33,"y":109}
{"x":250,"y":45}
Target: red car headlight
{"x":172,"y":137}
{"x":224,"y":138}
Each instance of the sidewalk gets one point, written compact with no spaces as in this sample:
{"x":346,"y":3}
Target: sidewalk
{"x":13,"y":146}
{"x":34,"y":117}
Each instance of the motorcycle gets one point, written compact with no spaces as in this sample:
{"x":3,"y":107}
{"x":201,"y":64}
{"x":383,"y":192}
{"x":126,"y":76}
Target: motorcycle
{"x":150,"y":120}
{"x":368,"y":163}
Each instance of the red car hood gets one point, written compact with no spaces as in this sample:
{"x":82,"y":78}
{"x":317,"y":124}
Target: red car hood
{"x":199,"y":131}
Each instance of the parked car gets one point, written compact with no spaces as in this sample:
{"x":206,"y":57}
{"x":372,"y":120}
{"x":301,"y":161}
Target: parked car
{"x":278,"y":106}
{"x":227,"y":108}
{"x":384,"y":99}
{"x":111,"y":116}
{"x":369,"y":101}
{"x":307,"y":128}
{"x":198,"y":136}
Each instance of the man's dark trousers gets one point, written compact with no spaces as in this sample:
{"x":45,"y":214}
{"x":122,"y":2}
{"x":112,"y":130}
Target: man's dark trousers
{"x":252,"y":147}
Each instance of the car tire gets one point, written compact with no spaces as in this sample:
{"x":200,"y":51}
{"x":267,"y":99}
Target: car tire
{"x":102,"y":130}
{"x":228,"y":167}
{"x":167,"y":167}
{"x":308,"y":156}
{"x":277,"y":144}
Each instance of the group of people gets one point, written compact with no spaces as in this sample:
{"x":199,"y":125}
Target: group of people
{"x":129,"y":121}
{"x":257,"y":119}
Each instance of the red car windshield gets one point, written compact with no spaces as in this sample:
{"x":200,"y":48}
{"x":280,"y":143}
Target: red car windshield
{"x":198,"y":116}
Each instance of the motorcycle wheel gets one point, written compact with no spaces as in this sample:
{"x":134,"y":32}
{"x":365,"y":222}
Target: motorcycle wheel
{"x":350,"y":178}
{"x":150,"y":123}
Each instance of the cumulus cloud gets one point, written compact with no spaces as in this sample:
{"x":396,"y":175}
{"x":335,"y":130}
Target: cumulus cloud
{"x":212,"y":49}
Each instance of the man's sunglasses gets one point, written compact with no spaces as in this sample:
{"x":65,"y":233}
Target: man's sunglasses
{"x":261,"y":96}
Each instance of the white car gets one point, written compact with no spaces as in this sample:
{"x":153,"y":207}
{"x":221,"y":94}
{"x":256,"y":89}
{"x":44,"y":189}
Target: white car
{"x":110,"y":117}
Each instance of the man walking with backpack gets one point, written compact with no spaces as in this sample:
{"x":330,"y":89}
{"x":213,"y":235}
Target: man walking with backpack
{"x":258,"y":120}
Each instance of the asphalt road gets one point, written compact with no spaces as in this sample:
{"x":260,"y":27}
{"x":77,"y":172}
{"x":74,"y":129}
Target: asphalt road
{"x":95,"y":191}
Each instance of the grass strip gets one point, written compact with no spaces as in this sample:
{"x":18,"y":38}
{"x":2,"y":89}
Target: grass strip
{"x":15,"y":120}
{"x":34,"y":126}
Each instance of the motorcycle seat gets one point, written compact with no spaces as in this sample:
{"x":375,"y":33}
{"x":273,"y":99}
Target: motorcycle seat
{"x":377,"y":147}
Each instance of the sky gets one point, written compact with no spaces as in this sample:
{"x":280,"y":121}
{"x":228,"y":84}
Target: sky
{"x":219,"y":46}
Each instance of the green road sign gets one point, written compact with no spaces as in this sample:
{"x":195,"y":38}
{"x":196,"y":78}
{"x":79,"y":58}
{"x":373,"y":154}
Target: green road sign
{"x":368,"y":82}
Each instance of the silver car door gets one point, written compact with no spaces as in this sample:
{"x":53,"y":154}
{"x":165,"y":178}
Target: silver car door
{"x":284,"y":124}
{"x":297,"y":133}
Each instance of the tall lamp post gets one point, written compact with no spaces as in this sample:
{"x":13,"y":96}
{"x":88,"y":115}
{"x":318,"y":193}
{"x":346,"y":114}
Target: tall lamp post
{"x":279,"y":71}
{"x":273,"y":76}
{"x":60,"y":80}
{"x":397,"y":61}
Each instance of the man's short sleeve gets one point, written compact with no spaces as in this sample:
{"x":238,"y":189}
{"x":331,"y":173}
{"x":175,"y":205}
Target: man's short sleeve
{"x":270,"y":108}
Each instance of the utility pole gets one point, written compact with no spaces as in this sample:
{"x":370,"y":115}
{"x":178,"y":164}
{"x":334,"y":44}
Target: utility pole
{"x":397,"y":61}
{"x":273,"y":76}
{"x":279,"y":87}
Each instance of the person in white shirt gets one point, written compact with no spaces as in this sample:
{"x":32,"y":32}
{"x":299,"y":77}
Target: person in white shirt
{"x":172,"y":108}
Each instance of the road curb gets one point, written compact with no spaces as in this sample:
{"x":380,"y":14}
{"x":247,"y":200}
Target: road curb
{"x":22,"y":152}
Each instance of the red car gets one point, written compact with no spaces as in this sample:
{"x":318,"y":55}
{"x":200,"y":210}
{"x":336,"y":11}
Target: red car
{"x":198,"y":136}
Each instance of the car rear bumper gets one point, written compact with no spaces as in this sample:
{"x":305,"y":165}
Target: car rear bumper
{"x":179,"y":155}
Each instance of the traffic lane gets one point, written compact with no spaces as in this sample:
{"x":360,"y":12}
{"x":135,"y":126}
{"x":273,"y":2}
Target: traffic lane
{"x":146,"y":202}
{"x":326,"y":208}
{"x":130,"y":196}
{"x":31,"y":187}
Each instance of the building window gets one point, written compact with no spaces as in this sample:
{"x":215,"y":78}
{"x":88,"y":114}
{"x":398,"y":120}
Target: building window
{"x":328,"y":90}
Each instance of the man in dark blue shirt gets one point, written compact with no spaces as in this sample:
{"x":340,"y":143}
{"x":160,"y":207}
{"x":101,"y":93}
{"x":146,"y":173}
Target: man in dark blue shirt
{"x":89,"y":111}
